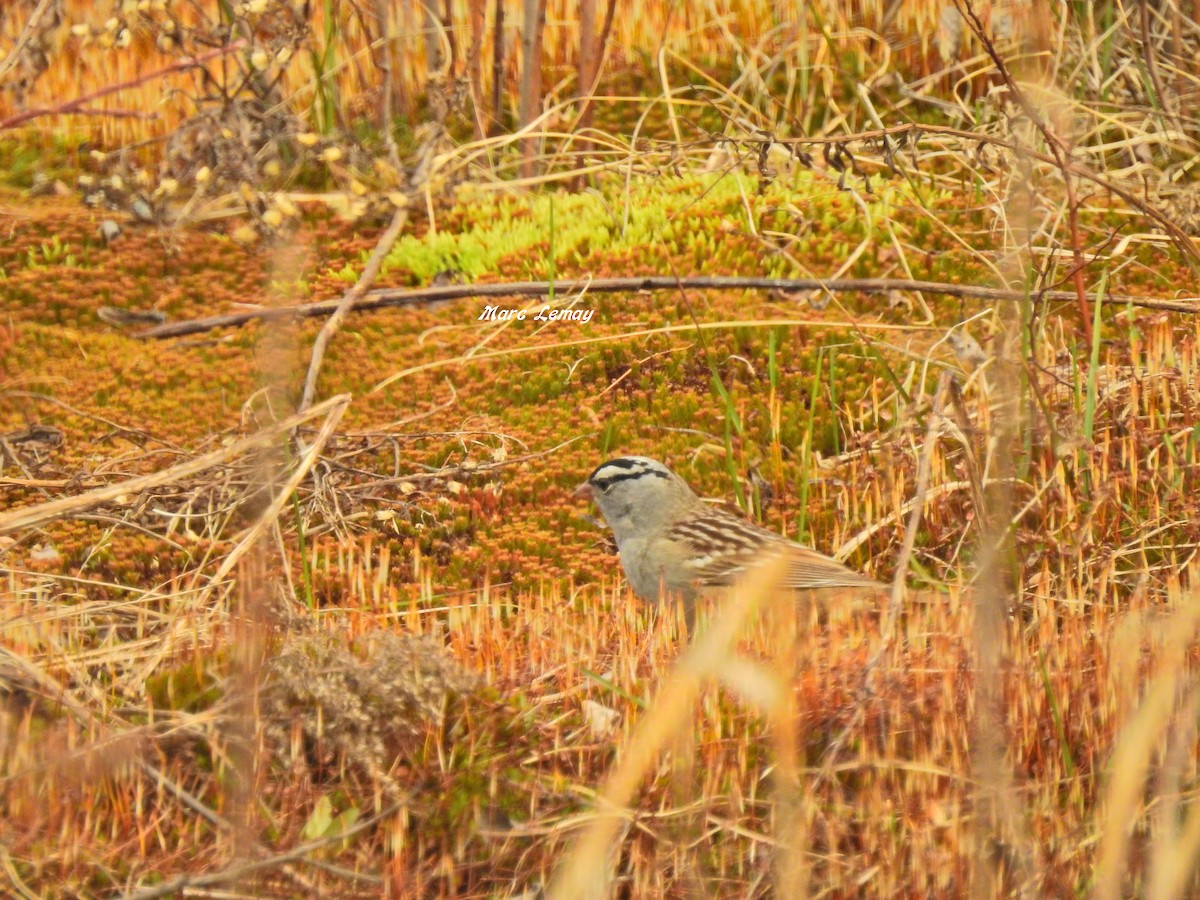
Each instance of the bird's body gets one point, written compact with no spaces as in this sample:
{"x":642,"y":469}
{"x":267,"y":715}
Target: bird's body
{"x":672,"y":543}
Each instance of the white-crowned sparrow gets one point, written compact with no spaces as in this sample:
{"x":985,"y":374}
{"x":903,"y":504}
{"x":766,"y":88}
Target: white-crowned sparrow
{"x":672,"y":542}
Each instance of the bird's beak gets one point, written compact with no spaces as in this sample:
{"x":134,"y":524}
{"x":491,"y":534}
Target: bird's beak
{"x":583,"y":490}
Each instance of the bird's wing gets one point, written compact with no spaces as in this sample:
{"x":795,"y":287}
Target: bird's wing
{"x":808,"y":569}
{"x":720,"y":548}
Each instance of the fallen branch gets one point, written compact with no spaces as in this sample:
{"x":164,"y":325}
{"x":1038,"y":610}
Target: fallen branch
{"x":391,"y":297}
{"x":33,"y":516}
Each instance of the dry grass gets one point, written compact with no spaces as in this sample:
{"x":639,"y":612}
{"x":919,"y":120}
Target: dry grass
{"x":503,"y":776}
{"x":385,"y":654}
{"x":126,"y":43}
{"x":122,"y":732}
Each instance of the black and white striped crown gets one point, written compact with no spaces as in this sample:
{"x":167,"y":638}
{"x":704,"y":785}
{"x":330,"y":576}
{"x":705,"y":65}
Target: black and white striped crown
{"x":626,"y":468}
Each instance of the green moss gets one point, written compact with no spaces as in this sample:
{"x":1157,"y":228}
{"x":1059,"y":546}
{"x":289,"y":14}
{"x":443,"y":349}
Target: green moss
{"x":697,"y":220}
{"x":188,"y":688}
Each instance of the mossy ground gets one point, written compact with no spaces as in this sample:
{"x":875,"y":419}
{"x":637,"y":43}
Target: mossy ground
{"x":461,"y":525}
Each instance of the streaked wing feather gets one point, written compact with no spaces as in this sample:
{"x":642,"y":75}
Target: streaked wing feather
{"x":810,"y":569}
{"x":722,"y":547}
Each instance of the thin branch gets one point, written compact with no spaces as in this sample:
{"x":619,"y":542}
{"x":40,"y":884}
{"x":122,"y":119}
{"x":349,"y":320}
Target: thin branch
{"x":334,"y":408}
{"x":241,"y":870}
{"x":74,"y":106}
{"x":1059,"y":149}
{"x":34,"y":516}
{"x":391,"y":297}
{"x":349,"y":300}
{"x":23,"y":38}
{"x":1182,"y":240}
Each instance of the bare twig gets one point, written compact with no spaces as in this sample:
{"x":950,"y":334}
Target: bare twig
{"x":1059,"y":149}
{"x":476,"y":26}
{"x":1151,"y":60}
{"x":333,"y":408}
{"x":65,"y":506}
{"x":75,"y":411}
{"x":349,"y":299}
{"x":1182,"y":240}
{"x":385,"y":61}
{"x":23,"y":38}
{"x":390,"y":297}
{"x":237,"y":872}
{"x":73,"y":106}
{"x":924,"y":470}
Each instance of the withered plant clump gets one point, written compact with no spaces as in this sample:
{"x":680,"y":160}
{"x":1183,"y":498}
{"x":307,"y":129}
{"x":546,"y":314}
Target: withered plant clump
{"x":365,"y":702}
